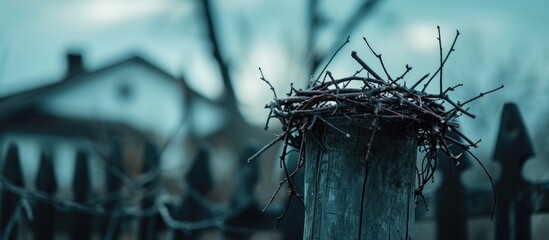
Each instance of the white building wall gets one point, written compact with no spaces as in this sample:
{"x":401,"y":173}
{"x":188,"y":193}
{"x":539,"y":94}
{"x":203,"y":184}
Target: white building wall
{"x":152,"y":104}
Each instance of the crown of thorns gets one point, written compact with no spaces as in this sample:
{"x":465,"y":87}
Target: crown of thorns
{"x":384,"y":98}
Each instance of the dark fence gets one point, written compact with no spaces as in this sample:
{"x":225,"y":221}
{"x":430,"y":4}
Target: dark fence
{"x":517,"y":199}
{"x":31,"y":210}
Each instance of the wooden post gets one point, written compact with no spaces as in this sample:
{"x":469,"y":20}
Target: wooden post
{"x":334,"y":178}
{"x":513,"y":148}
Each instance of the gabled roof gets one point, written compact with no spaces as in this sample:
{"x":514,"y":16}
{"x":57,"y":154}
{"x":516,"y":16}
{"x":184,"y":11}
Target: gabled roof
{"x":14,"y":102}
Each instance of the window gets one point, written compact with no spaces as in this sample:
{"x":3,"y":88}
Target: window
{"x":124,"y":91}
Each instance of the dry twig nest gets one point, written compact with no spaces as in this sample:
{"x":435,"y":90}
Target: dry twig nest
{"x":383,"y":98}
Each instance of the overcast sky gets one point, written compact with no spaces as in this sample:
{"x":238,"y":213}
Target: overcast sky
{"x":34,"y":35}
{"x":501,"y":42}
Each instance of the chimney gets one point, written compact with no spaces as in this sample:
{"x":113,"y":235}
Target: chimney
{"x":75,"y":64}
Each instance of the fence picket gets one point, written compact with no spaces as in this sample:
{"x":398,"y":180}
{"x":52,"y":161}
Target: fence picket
{"x":250,"y":217}
{"x":451,"y":209}
{"x":11,"y":172}
{"x":115,"y":167}
{"x":81,"y":221}
{"x":200,"y":182}
{"x":513,"y":148}
{"x":453,"y":203}
{"x":44,"y":213}
{"x":148,"y":225}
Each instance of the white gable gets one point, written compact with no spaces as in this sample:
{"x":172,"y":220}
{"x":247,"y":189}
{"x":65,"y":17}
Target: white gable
{"x":130,"y":93}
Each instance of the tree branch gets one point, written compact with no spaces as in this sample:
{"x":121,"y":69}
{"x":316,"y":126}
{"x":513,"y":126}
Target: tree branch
{"x":216,"y":51}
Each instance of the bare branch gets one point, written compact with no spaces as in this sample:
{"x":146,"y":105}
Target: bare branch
{"x":419,"y":81}
{"x":443,"y":62}
{"x":266,"y":147}
{"x":492,"y":181}
{"x":380,"y":60}
{"x":481,"y":95}
{"x":365,"y":66}
{"x":440,"y":53}
{"x":271,"y":86}
{"x":217,"y":53}
{"x":332,"y":58}
{"x":385,"y":100}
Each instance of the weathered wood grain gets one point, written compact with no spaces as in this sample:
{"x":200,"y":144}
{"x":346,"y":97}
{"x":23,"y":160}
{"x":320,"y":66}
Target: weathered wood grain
{"x":334,"y":180}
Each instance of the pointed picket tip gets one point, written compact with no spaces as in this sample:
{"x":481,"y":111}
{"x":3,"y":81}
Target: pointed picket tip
{"x":12,"y":165}
{"x":81,"y":181}
{"x":513,"y":142}
{"x":45,"y":179}
{"x":199,"y":176}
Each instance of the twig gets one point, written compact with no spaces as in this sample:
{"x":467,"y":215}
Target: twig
{"x":266,"y":127}
{"x":300,"y":110}
{"x":97,"y":210}
{"x":266,"y":147}
{"x":443,"y":62}
{"x":451,"y":89}
{"x":293,"y":190}
{"x":491,"y":182}
{"x":480,"y":95}
{"x":419,"y":81}
{"x":440,"y":52}
{"x":380,"y":60}
{"x":457,"y":107}
{"x":329,"y":74}
{"x":216,"y":221}
{"x":465,"y":138}
{"x":332,"y":58}
{"x":408,"y":69}
{"x":265,"y":80}
{"x":347,"y":79}
{"x":12,"y":220}
{"x":334,"y":127}
{"x":274,"y":195}
{"x":365,"y":66}
{"x":279,"y":218}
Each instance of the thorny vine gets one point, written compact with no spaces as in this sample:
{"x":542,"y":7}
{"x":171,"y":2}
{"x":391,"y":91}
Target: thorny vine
{"x":385,"y":98}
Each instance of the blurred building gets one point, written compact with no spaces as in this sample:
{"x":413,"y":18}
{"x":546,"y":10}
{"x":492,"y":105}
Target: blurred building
{"x":113,"y":115}
{"x":128,"y":102}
